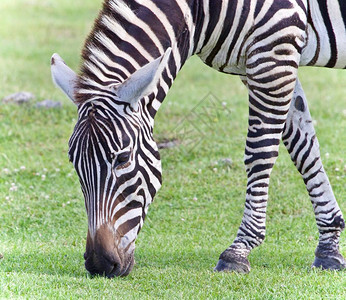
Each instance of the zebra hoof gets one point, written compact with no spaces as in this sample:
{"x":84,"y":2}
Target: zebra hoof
{"x":231,"y":262}
{"x":328,"y":257}
{"x":232,"y":266}
{"x":335,"y":262}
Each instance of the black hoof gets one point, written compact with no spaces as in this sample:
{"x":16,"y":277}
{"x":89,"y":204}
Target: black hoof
{"x":231,"y":262}
{"x":234,"y":266}
{"x":328,"y":257}
{"x":336,"y":262}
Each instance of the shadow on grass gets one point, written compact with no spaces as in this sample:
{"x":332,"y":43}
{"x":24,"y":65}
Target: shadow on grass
{"x":71,"y":263}
{"x":206,"y":260}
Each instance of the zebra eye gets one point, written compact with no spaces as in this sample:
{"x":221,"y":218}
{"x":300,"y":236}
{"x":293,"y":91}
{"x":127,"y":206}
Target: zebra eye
{"x":122,"y":160}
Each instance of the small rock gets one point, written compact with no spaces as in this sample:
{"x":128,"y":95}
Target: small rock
{"x":168,"y":144}
{"x":19,"y":98}
{"x":226,"y":162}
{"x":48,"y":104}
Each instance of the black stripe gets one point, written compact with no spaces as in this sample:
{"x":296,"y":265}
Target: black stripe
{"x":342,"y":4}
{"x":294,"y":141}
{"x":214,"y":15}
{"x":262,"y":143}
{"x":227,"y":26}
{"x":260,"y":168}
{"x":124,"y":46}
{"x":156,"y":26}
{"x":243,"y":18}
{"x":197,"y":12}
{"x":287,"y":134}
{"x":331,"y":35}
{"x":305,"y":156}
{"x":260,"y":155}
{"x":259,"y":5}
{"x":311,"y":176}
{"x":301,"y":147}
{"x":313,"y":61}
{"x":276,"y":5}
{"x":173,"y":13}
{"x":129,"y":224}
{"x":282,"y":24}
{"x":258,"y":178}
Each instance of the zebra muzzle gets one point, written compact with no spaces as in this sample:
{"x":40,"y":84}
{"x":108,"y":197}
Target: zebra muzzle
{"x":103,"y":257}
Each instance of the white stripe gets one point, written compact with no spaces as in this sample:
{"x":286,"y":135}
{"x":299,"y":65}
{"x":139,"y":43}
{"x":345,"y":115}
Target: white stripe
{"x":108,"y":43}
{"x":121,"y":8}
{"x":216,"y":32}
{"x":339,"y":29}
{"x":205,"y":25}
{"x":114,"y":26}
{"x":107,"y":61}
{"x":131,"y":214}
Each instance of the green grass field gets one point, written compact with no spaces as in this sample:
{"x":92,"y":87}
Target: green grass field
{"x":195,"y":215}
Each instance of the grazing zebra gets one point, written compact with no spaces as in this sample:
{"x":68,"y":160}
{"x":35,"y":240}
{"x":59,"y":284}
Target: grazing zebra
{"x":130,"y":60}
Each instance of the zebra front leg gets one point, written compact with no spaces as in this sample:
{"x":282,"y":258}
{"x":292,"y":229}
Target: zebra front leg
{"x":301,"y":142}
{"x":268,"y":106}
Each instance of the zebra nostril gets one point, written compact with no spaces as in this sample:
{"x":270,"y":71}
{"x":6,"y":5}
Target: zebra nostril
{"x":106,"y":265}
{"x":115,"y":271}
{"x":112,"y":267}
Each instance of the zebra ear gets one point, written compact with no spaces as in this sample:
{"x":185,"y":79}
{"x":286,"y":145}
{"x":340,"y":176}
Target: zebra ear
{"x":142,"y":82}
{"x":63,"y":76}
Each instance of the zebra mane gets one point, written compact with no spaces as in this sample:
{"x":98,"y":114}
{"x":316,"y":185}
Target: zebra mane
{"x":121,"y":8}
{"x":94,"y":55}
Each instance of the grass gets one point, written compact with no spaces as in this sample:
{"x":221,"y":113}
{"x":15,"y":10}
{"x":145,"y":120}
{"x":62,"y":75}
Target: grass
{"x":195,"y":215}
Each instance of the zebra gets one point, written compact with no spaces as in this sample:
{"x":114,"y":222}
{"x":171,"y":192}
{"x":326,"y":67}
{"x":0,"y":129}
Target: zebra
{"x":129,"y":62}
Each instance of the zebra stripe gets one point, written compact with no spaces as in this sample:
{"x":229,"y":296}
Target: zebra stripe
{"x":327,"y":34}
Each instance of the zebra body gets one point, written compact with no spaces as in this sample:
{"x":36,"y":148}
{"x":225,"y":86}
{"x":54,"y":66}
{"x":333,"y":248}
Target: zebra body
{"x":130,"y":61}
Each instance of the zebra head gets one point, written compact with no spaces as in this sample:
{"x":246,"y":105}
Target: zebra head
{"x":117,"y":161}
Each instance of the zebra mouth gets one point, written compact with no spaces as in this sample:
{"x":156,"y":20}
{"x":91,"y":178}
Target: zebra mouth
{"x":122,"y":271}
{"x":106,"y":256}
{"x":108,"y":266}
{"x":125,"y":270}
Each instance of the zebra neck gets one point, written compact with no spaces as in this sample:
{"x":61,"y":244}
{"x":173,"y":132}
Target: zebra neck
{"x":128,"y":35}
